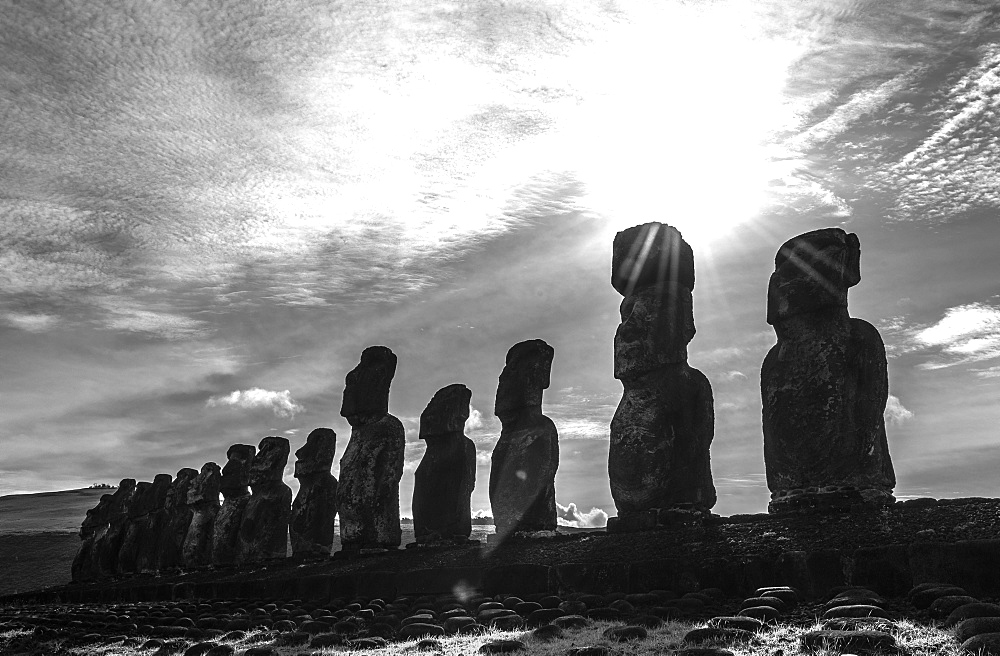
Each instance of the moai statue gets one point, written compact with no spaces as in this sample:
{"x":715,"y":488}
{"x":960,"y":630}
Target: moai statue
{"x":109,"y":538}
{"x":236,"y":496}
{"x":264,"y":529}
{"x":658,"y":464}
{"x":177,"y":519}
{"x":368,"y":494}
{"x":145,"y":524}
{"x":84,"y":566}
{"x":446,"y":476}
{"x":203,"y":500}
{"x":526,"y":457}
{"x":315,"y":506}
{"x":824,"y":385}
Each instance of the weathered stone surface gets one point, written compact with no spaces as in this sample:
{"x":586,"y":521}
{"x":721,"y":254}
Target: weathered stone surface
{"x":372,"y":465}
{"x":662,"y":431}
{"x":446,"y":476}
{"x":825,"y":383}
{"x":84,"y":567}
{"x":236,"y":495}
{"x":108,"y":539}
{"x":146,"y":521}
{"x":203,"y":500}
{"x":315,"y":505}
{"x":526,"y":457}
{"x":177,"y":516}
{"x":264,"y":527}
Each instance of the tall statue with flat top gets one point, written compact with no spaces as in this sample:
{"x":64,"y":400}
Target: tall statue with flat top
{"x":659,"y":462}
{"x":825,"y":384}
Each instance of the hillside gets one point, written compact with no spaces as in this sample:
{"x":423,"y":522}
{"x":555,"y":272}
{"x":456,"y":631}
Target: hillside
{"x":47,"y":512}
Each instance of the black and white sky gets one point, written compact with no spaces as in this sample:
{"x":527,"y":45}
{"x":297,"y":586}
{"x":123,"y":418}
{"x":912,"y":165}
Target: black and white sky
{"x":209,"y":208}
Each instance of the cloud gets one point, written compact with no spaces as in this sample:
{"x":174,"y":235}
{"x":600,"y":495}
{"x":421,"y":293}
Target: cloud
{"x":281,"y":403}
{"x":32,"y":323}
{"x":735,"y":375}
{"x":895,"y":413}
{"x":966,"y":333}
{"x":475,"y":420}
{"x":571,"y":516}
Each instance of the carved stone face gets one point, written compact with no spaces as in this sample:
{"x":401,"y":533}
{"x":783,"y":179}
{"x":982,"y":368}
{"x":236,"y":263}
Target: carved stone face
{"x":447,"y":411}
{"x":206,"y":486}
{"x":524,"y":377}
{"x":177,"y":495}
{"x":657,"y":325}
{"x":813,"y":271}
{"x":269,"y":463}
{"x":236,"y":472}
{"x":650,"y":254}
{"x":316,"y":455}
{"x":366,"y":392}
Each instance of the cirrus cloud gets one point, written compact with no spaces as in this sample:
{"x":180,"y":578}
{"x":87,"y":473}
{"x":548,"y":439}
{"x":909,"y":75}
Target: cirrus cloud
{"x":281,"y":403}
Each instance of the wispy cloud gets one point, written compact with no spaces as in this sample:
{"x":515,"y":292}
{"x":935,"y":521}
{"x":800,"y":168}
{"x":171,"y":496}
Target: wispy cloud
{"x":281,"y":403}
{"x":32,"y":323}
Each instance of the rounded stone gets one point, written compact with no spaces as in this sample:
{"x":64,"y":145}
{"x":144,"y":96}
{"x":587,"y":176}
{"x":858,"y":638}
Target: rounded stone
{"x":762,"y":613}
{"x":717,"y":634}
{"x":626,"y":633}
{"x":856,"y":610}
{"x":501,"y":646}
{"x":984,"y":644}
{"x":547,"y":632}
{"x":975,"y":626}
{"x":745,"y":623}
{"x":922,"y":599}
{"x":571,"y":622}
{"x":977,"y":609}
{"x":943,"y":606}
{"x":419,"y":630}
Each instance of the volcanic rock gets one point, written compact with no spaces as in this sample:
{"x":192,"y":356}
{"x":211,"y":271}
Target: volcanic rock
{"x":372,"y":464}
{"x":446,"y":476}
{"x":236,"y":495}
{"x":264,"y":527}
{"x":176,"y":521}
{"x":526,"y":457}
{"x":203,"y":500}
{"x":825,"y":383}
{"x":315,"y":505}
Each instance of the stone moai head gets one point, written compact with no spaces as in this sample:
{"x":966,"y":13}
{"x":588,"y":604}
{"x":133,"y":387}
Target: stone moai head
{"x":366,"y":393}
{"x":123,"y":496}
{"x":446,"y":412}
{"x":653,"y":268}
{"x":159,"y":491}
{"x":316,"y":455}
{"x":269,"y":463}
{"x":177,"y":494}
{"x":649,"y":254}
{"x":524,"y":377}
{"x":98,"y":516}
{"x":206,"y":485}
{"x":236,"y":472}
{"x":813,"y":271}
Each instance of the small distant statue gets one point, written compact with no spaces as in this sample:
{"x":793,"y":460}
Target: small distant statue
{"x":446,"y":476}
{"x":659,"y":461}
{"x":146,"y":519}
{"x":825,"y":383}
{"x":264,"y":529}
{"x":526,"y":457}
{"x":84,"y":566}
{"x":315,"y":507}
{"x":203,"y":500}
{"x":109,"y":537}
{"x":372,"y":465}
{"x":177,"y":519}
{"x":236,"y":496}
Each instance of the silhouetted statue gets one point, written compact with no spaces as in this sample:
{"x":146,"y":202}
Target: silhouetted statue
{"x":526,"y":457}
{"x":84,"y":566}
{"x":824,"y":385}
{"x":146,"y":519}
{"x":264,"y":529}
{"x":315,"y":506}
{"x":368,"y":494}
{"x":203,"y":500}
{"x":446,"y":476}
{"x":108,"y":542}
{"x":236,"y":496}
{"x":177,"y":519}
{"x":662,"y":432}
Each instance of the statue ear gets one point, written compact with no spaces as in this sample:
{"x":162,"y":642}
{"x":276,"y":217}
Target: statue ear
{"x":852,"y":260}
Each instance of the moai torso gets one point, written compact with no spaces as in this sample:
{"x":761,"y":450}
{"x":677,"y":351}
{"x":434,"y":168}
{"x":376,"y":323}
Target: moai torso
{"x":203,"y":500}
{"x":177,"y":519}
{"x":824,"y":385}
{"x":661,"y":434}
{"x":372,"y":465}
{"x":84,"y":566}
{"x":446,"y":475}
{"x":108,"y":543}
{"x":233,"y":485}
{"x":140,"y":542}
{"x":315,"y":507}
{"x":526,"y":457}
{"x":264,"y":528}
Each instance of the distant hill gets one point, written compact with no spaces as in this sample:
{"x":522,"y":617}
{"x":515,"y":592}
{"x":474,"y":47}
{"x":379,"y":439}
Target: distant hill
{"x":47,"y":512}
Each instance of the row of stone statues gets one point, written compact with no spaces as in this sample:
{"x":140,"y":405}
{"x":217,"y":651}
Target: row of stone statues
{"x":824,"y":387}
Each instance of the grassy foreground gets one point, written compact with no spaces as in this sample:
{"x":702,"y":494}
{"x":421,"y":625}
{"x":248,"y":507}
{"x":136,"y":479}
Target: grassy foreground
{"x":782,"y":640}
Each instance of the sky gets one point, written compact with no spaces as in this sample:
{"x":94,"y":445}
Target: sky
{"x":209,"y":209}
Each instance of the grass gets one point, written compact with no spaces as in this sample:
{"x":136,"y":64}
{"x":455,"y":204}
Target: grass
{"x":783,"y":640}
